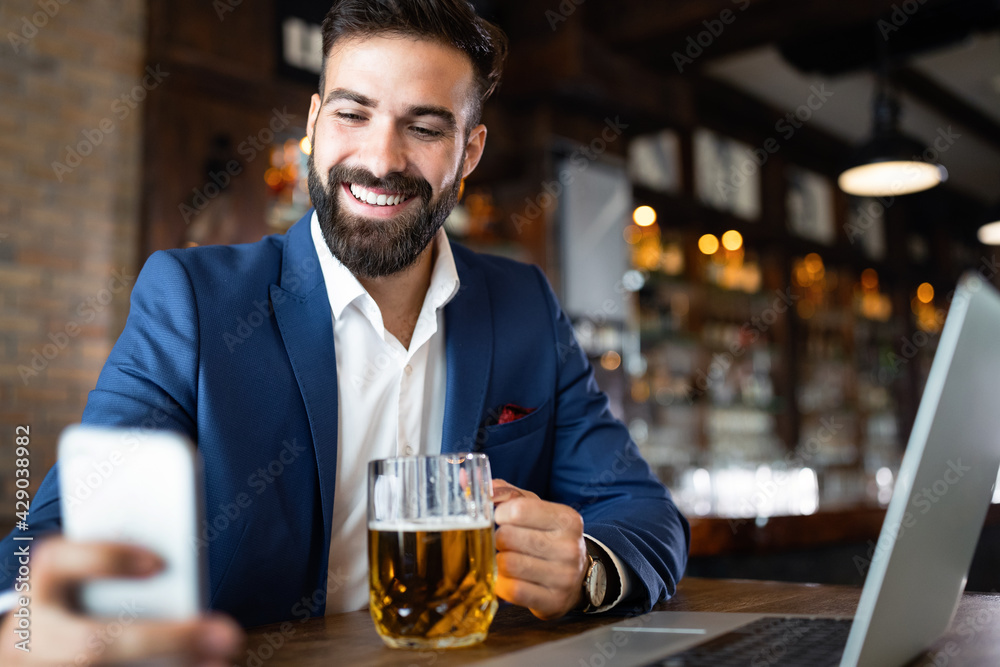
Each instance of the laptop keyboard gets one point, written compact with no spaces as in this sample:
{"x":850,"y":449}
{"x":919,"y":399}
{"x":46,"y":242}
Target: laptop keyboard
{"x":775,"y":642}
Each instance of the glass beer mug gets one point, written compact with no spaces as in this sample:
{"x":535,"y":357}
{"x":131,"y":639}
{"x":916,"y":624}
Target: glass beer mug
{"x":431,"y":554}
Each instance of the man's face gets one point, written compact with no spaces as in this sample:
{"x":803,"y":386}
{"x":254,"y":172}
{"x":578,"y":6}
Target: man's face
{"x":389,"y":148}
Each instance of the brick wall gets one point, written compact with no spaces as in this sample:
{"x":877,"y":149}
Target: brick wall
{"x":70,"y":149}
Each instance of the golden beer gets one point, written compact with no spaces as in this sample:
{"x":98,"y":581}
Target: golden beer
{"x":432,"y":582}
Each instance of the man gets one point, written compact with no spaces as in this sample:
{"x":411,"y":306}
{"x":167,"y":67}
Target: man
{"x":374,"y":337}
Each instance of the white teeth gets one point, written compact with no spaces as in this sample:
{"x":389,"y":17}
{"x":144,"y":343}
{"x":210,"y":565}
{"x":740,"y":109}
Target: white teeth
{"x":374,"y":199}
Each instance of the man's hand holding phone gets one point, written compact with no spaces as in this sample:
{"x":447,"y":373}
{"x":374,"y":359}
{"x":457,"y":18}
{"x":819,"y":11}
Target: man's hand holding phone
{"x":62,"y":635}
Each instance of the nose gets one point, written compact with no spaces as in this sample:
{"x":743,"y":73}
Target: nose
{"x":384,"y":151}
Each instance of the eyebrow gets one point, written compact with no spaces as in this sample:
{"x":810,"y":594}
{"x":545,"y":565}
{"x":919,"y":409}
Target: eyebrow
{"x":351,"y":96}
{"x":439,"y":112}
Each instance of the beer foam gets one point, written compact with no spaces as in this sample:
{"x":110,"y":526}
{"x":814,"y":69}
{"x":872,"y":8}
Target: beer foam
{"x":431,"y":524}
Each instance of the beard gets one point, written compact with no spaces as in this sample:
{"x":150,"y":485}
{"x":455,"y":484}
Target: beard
{"x":370,"y":247}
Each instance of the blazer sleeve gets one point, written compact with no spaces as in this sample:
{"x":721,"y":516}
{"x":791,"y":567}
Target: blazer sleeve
{"x":150,"y":380}
{"x":598,"y":470}
{"x":148,"y":383}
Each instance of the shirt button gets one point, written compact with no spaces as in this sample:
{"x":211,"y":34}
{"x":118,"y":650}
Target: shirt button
{"x":408,"y":369}
{"x":408,"y":450}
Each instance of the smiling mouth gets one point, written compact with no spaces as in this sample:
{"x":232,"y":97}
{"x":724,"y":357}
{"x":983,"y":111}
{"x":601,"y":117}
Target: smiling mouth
{"x":366,"y":196}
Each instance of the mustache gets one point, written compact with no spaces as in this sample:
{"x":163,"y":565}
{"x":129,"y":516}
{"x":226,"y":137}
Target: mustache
{"x":394,"y":182}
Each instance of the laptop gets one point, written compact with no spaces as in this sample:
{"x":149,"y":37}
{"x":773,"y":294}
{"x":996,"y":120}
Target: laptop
{"x":921,"y":560}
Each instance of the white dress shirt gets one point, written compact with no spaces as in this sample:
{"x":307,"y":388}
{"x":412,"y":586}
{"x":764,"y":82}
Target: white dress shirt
{"x":390,"y":402}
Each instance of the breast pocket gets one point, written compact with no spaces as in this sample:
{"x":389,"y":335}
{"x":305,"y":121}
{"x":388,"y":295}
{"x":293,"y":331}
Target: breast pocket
{"x":520,"y":451}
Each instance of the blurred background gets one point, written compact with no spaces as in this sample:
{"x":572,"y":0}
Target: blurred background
{"x":675,"y":168}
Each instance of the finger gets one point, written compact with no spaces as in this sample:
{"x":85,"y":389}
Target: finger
{"x":540,"y":600}
{"x":555,"y":576}
{"x":524,"y":540}
{"x":544,"y":544}
{"x":214,"y":637}
{"x":503,"y":491}
{"x":523,"y":593}
{"x":506,"y":489}
{"x":61,"y":564}
{"x":539,"y":514}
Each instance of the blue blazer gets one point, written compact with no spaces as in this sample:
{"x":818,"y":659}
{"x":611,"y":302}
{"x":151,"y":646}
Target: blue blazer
{"x":233,"y":346}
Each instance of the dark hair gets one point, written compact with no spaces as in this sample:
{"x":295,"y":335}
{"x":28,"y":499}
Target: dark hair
{"x":452,"y":22}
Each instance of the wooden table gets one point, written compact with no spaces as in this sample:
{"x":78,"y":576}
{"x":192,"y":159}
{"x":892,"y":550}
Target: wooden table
{"x":350,"y":639}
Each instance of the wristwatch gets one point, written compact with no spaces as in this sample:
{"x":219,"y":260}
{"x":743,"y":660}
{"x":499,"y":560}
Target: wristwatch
{"x":595,"y":584}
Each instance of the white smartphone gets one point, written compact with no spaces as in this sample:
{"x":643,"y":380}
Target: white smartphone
{"x":141,"y":487}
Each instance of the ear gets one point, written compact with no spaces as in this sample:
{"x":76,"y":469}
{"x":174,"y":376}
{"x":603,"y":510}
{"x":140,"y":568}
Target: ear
{"x":314,"y":104}
{"x":474,"y":149}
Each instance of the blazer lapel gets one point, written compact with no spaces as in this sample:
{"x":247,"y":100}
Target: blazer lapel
{"x":302,"y":310}
{"x":469,"y":353}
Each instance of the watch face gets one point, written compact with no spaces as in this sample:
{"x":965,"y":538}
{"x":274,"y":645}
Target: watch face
{"x":597,"y":583}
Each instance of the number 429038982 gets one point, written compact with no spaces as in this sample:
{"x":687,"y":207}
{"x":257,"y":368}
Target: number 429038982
{"x":22,"y":471}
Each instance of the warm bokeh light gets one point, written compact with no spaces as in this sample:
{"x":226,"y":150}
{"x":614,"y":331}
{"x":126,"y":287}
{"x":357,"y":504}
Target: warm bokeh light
{"x":632,"y":234}
{"x":801,"y":276}
{"x":813,"y":263}
{"x":869,"y":278}
{"x":708,"y":244}
{"x":672,"y":259}
{"x":989,"y":234}
{"x":640,"y":391}
{"x":611,"y":360}
{"x":928,"y":318}
{"x":644,"y":216}
{"x":306,"y":146}
{"x":732,"y":240}
{"x":646,"y":254}
{"x":273,"y":177}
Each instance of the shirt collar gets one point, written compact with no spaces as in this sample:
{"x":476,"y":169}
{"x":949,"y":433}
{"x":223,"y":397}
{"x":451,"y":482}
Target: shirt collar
{"x":444,"y":276}
{"x":341,"y":285}
{"x":343,"y":288}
